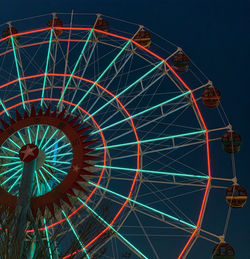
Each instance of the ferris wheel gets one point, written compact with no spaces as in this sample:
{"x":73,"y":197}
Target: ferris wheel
{"x":109,"y":144}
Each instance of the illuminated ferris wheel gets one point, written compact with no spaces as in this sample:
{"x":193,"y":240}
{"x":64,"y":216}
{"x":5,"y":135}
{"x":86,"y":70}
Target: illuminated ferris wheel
{"x":108,"y":150}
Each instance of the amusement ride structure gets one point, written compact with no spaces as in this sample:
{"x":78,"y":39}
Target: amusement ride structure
{"x":110,"y":139}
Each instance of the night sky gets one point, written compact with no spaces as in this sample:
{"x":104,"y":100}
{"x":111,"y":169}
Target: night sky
{"x":215,"y":34}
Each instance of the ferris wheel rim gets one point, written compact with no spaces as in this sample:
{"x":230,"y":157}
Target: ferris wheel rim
{"x":193,"y":98}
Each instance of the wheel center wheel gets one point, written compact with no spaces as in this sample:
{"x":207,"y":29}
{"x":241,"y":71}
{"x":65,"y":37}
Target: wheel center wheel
{"x":28,"y":153}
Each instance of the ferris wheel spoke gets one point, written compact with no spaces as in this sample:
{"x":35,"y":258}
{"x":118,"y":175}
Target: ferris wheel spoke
{"x":19,"y":134}
{"x":10,"y":157}
{"x":51,"y":137}
{"x":132,"y":99}
{"x":12,"y":176}
{"x":57,"y":169}
{"x":10,"y":150}
{"x":59,"y":148}
{"x":162,"y":115}
{"x":75,"y":233}
{"x":37,"y":183}
{"x":4,"y":108}
{"x":126,"y":89}
{"x":152,"y":172}
{"x":106,"y":86}
{"x":10,"y":170}
{"x":48,"y":172}
{"x":145,"y":206}
{"x":155,"y":191}
{"x":44,"y":135}
{"x":137,"y":251}
{"x":46,"y":67}
{"x":160,"y":218}
{"x":29,"y":135}
{"x":170,"y":182}
{"x":100,"y":77}
{"x":84,"y":70}
{"x":37,"y":133}
{"x":54,"y":143}
{"x":152,"y":140}
{"x":13,"y":142}
{"x":18,"y":70}
{"x":142,"y":112}
{"x":12,"y":186}
{"x":146,"y":235}
{"x":44,"y":179}
{"x":47,"y":238}
{"x":76,"y":64}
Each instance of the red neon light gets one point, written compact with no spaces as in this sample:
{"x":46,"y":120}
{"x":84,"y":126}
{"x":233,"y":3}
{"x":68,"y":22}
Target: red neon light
{"x":138,"y":149}
{"x":184,"y":84}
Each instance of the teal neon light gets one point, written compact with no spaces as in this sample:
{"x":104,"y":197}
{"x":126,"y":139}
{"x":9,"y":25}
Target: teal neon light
{"x":153,"y":172}
{"x":47,"y":237}
{"x":12,"y":169}
{"x":126,"y":89}
{"x":18,"y":178}
{"x":147,"y":123}
{"x":29,"y":135}
{"x":12,"y":163}
{"x":99,"y":78}
{"x":48,"y":172}
{"x":73,"y":230}
{"x":20,"y":136}
{"x":17,"y":172}
{"x":47,"y":63}
{"x":9,"y":150}
{"x":10,"y":157}
{"x":55,"y":143}
{"x":155,"y":139}
{"x":77,"y":62}
{"x":4,"y":108}
{"x":37,"y":133}
{"x":77,"y":237}
{"x":55,"y":168}
{"x":44,"y":135}
{"x":17,"y":69}
{"x":44,"y":179}
{"x":52,"y":151}
{"x":58,"y":140}
{"x":107,"y":224}
{"x":37,"y":183}
{"x":55,"y":132}
{"x":14,"y":143}
{"x":145,"y":206}
{"x":140,"y":113}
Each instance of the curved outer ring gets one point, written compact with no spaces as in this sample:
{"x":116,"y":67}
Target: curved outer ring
{"x":202,"y":210}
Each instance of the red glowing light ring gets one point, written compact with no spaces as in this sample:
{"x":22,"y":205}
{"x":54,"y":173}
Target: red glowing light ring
{"x":138,"y":150}
{"x":183,"y":83}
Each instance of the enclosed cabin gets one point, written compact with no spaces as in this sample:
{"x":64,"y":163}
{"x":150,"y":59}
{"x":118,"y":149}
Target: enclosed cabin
{"x":211,"y":97}
{"x":231,"y":142}
{"x":143,"y":38}
{"x":181,"y":62}
{"x":10,"y":30}
{"x":236,"y":196}
{"x":102,"y":25}
{"x":223,"y":251}
{"x":56,"y":22}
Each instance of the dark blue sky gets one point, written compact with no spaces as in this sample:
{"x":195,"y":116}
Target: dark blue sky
{"x":215,"y":34}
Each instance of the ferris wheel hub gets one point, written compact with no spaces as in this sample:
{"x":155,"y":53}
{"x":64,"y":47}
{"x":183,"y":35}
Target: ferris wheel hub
{"x":28,"y":152}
